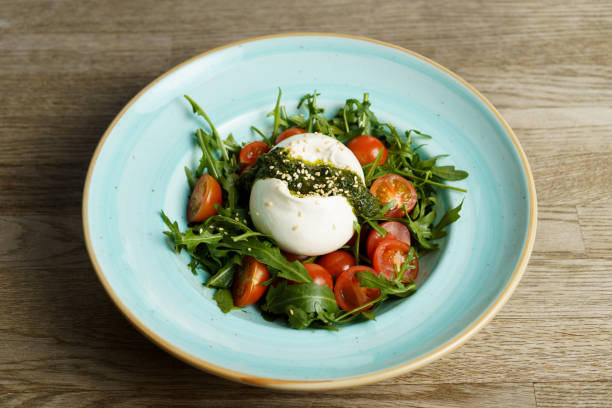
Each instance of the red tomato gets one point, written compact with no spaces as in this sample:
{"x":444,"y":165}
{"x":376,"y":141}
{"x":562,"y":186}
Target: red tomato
{"x":247,"y":288}
{"x":336,"y":262}
{"x":287,"y":133}
{"x":319,"y":275}
{"x":366,"y":149}
{"x":249,"y":153}
{"x":391,"y":253}
{"x":205,"y":194}
{"x":395,"y":230}
{"x":348,"y":292}
{"x":393,"y":187}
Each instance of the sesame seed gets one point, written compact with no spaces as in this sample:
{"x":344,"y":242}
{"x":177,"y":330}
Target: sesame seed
{"x":317,"y":173}
{"x":249,"y":249}
{"x":318,"y":150}
{"x":201,"y":230}
{"x":299,"y":213}
{"x":256,"y":214}
{"x":271,"y":167}
{"x":221,"y":228}
{"x":268,"y":203}
{"x":295,"y":227}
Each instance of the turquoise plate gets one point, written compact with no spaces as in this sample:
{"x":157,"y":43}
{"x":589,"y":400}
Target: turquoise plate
{"x":137,"y":170}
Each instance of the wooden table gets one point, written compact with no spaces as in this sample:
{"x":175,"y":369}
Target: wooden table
{"x":66,"y":69}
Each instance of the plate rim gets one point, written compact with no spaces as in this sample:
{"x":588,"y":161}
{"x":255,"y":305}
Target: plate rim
{"x":345,"y":382}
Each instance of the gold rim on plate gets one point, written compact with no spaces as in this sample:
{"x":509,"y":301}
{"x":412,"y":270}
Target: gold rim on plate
{"x":343,"y":382}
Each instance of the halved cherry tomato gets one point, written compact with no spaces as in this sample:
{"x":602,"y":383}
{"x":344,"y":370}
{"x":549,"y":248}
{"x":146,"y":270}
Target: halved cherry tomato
{"x":393,"y":187}
{"x":247,"y":288}
{"x":206,"y":193}
{"x":366,"y":149}
{"x":348,"y":291}
{"x":319,"y":275}
{"x":395,"y":230}
{"x":392,"y":253}
{"x":336,"y":262}
{"x":249,"y":153}
{"x":287,"y":133}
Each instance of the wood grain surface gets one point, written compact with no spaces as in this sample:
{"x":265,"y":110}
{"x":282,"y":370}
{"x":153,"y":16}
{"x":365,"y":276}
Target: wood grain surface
{"x":66,"y":68}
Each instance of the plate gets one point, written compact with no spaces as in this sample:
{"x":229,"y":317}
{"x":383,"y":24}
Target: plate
{"x":137,"y":170}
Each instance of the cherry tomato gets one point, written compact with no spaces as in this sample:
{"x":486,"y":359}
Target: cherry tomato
{"x":393,"y":187}
{"x":366,"y":149}
{"x":247,"y":288}
{"x":287,"y":133}
{"x":319,"y":275}
{"x":348,"y":291}
{"x":336,"y":262}
{"x":249,"y":153}
{"x":391,"y":253}
{"x":395,"y":230}
{"x":205,"y":194}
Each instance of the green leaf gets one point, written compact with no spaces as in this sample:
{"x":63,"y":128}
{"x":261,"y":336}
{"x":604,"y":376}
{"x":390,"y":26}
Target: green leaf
{"x":267,"y":253}
{"x":225,"y":275}
{"x":276,"y":113}
{"x":421,"y":228}
{"x":298,"y":318}
{"x":368,"y":314}
{"x":449,"y":173}
{"x":451,"y":216}
{"x":224,"y":300}
{"x":190,"y":239}
{"x":308,"y":297}
{"x":191,"y":178}
{"x":369,"y":280}
{"x":198,"y":110}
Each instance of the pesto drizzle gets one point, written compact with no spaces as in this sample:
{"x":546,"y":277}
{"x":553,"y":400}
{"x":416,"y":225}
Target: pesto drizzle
{"x":313,"y":179}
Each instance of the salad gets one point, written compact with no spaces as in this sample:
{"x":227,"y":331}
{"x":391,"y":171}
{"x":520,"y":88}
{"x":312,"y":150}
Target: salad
{"x":320,"y":221}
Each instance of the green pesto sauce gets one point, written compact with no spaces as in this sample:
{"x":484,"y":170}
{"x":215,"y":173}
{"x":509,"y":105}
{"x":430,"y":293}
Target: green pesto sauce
{"x":313,"y":179}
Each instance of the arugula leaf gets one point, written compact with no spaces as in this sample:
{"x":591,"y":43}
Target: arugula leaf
{"x":369,"y":280}
{"x":224,"y":300}
{"x":449,"y":173}
{"x":298,"y":318}
{"x":269,"y":254}
{"x":225,"y":275}
{"x":191,"y":178}
{"x":198,"y":110}
{"x":451,"y":216}
{"x":421,"y":227}
{"x":189,"y":239}
{"x":300,"y":302}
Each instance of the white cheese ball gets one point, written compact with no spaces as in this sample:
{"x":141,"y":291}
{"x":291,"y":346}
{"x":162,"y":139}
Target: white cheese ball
{"x":310,"y":225}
